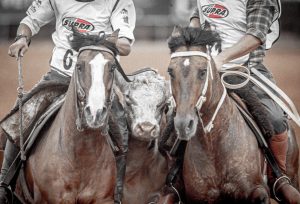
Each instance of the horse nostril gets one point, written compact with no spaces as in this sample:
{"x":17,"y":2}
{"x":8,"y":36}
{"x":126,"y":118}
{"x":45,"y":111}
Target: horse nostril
{"x":101,"y":113}
{"x":87,"y":110}
{"x":189,"y":127}
{"x":191,"y":124}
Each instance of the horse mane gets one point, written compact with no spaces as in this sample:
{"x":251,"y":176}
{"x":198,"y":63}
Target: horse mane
{"x":79,"y":40}
{"x":194,"y":37}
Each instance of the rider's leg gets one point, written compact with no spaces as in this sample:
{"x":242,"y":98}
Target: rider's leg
{"x":119,"y":134}
{"x":283,"y":189}
{"x":10,"y":153}
{"x":52,"y":80}
{"x":278,"y":143}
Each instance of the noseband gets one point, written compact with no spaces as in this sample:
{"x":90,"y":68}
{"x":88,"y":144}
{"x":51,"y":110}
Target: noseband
{"x":202,"y":99}
{"x":79,"y":91}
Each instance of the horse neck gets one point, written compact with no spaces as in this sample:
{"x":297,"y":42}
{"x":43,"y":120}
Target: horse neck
{"x":71,"y":137}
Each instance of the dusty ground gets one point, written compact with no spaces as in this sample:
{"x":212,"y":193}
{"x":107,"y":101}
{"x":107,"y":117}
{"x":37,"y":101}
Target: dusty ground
{"x":283,"y":60}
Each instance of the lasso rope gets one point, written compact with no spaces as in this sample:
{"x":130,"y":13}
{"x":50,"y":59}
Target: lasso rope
{"x":288,"y":107}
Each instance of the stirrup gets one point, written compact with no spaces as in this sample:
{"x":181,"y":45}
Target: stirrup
{"x":7,"y":188}
{"x":275,"y":185}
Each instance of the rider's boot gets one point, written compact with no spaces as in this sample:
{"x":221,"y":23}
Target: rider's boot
{"x":10,"y":153}
{"x":119,"y":133}
{"x":282,"y":188}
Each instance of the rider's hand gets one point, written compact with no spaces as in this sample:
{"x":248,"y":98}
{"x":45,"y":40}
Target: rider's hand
{"x":20,"y":46}
{"x":219,"y":61}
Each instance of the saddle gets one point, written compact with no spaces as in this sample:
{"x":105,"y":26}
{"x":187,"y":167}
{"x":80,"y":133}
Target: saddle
{"x":29,"y":142}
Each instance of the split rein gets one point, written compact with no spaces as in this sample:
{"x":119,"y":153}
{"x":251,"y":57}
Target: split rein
{"x":288,"y":107}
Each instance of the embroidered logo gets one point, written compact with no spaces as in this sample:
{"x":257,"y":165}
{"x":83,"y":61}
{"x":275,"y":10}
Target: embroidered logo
{"x":34,"y":7}
{"x":215,"y":11}
{"x":81,"y":25}
{"x":124,"y":13}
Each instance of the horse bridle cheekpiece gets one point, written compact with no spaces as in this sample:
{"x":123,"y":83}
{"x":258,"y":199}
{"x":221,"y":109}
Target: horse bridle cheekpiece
{"x":202,"y":98}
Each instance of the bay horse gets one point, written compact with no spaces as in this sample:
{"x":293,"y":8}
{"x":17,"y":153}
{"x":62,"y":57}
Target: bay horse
{"x":222,"y":161}
{"x":73,"y":162}
{"x":145,"y":100}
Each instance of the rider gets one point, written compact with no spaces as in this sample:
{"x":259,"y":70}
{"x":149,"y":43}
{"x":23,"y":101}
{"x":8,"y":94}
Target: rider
{"x":86,"y":16}
{"x":247,"y":29}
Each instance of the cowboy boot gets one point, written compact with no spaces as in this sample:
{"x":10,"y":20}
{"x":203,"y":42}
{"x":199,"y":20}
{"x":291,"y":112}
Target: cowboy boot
{"x":6,"y":190}
{"x":282,"y":188}
{"x":119,"y":135}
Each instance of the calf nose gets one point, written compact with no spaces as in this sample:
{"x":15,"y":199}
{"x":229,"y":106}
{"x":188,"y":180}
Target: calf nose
{"x":147,"y":128}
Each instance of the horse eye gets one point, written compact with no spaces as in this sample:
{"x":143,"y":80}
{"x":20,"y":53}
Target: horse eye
{"x":171,"y":73}
{"x":78,"y":67}
{"x":201,"y":73}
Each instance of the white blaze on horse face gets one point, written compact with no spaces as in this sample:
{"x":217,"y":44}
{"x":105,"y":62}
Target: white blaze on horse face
{"x":186,"y":62}
{"x":96,"y":98}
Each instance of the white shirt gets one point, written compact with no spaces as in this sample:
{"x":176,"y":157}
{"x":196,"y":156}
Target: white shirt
{"x":228,"y":19}
{"x":87,"y":17}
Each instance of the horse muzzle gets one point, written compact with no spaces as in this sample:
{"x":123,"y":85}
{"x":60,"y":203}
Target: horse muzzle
{"x":186,"y":126}
{"x":96,"y":120}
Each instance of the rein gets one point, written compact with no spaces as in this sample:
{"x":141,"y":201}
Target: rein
{"x":20,"y":102}
{"x":202,"y":99}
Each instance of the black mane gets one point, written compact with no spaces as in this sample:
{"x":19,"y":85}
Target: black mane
{"x":194,"y":37}
{"x":79,"y":40}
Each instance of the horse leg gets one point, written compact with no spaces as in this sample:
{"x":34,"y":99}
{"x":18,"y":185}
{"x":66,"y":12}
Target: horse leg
{"x":259,"y":195}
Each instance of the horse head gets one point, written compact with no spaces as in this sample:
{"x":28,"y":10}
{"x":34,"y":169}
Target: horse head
{"x":144,"y":100}
{"x":94,"y":77}
{"x":191,"y":72}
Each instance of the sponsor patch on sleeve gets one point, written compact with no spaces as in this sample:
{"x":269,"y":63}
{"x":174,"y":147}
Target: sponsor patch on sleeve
{"x":34,"y":7}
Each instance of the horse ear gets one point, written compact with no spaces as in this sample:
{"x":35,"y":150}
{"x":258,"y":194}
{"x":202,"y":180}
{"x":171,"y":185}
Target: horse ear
{"x":113,"y":37}
{"x":206,"y":26}
{"x":177,"y":31}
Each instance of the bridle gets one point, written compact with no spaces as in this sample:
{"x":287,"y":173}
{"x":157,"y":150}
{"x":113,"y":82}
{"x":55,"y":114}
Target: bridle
{"x":80,"y":94}
{"x":202,"y":98}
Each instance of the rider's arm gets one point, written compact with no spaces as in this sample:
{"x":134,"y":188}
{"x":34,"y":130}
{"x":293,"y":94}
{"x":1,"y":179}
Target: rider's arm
{"x":38,"y":14}
{"x":259,"y":19}
{"x":123,"y":18}
{"x":195,"y":19}
{"x":124,"y":46}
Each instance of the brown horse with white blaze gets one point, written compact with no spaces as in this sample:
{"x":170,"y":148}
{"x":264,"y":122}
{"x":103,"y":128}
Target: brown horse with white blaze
{"x":73,"y":162}
{"x":222,"y":162}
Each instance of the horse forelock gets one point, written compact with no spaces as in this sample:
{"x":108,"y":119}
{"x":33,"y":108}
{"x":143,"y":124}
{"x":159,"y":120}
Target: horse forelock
{"x":79,"y":40}
{"x":194,"y":37}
